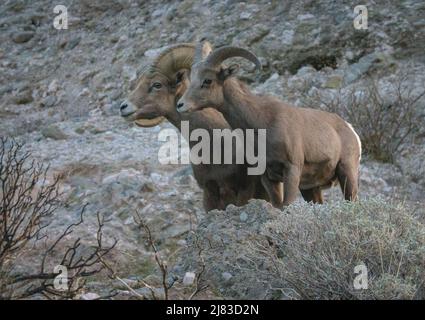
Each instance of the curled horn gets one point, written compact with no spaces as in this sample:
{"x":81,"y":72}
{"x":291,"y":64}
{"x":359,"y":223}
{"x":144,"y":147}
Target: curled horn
{"x":223,"y":53}
{"x":174,"y":58}
{"x":203,"y":49}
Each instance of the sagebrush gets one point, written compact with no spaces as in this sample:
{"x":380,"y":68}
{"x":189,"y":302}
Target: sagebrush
{"x":314,"y":250}
{"x":386,"y":121}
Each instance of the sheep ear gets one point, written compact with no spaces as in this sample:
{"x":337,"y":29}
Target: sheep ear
{"x":229,"y":71}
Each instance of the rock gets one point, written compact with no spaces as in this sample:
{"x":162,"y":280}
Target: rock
{"x":182,"y":243}
{"x":146,"y":293}
{"x":287,"y":37}
{"x":6,"y":89}
{"x":132,"y":283}
{"x":189,"y":278}
{"x":245,"y":15}
{"x":148,"y":187}
{"x":175,"y":231}
{"x":221,"y":234}
{"x":48,"y":101}
{"x":158,"y":12}
{"x":73,"y":43}
{"x":53,"y":132}
{"x":306,"y":71}
{"x":356,"y":70}
{"x":274,"y":85}
{"x":36,"y":19}
{"x":24,"y":97}
{"x":252,"y":35}
{"x":53,"y":87}
{"x":86,"y":75}
{"x":226,"y":276}
{"x":243,"y":216}
{"x":333,"y":82}
{"x":151,"y":53}
{"x":90,"y":296}
{"x":120,"y":187}
{"x":22,"y":37}
{"x":80,"y":130}
{"x":96,"y":129}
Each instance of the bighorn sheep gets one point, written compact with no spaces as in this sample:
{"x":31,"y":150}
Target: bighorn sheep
{"x":154,"y":99}
{"x":307,"y":149}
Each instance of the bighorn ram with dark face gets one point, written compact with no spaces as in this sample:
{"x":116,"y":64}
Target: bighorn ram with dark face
{"x":154,"y":99}
{"x":307,"y":149}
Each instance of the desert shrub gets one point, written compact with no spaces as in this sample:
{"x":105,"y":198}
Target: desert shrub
{"x":385,"y":121}
{"x":315,"y":248}
{"x":28,"y":202}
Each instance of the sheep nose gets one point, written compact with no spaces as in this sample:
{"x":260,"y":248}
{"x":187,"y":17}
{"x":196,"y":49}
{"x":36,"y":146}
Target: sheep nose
{"x":123,"y":106}
{"x":180,"y":105}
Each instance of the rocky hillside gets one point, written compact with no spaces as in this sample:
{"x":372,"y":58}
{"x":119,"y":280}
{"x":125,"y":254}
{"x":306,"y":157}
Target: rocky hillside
{"x":60,"y":91}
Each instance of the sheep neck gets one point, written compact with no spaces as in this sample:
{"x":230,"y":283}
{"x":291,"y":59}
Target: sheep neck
{"x":175,"y":119}
{"x":241,"y":107}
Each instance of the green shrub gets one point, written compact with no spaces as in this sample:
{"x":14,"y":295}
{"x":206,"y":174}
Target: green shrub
{"x":316,"y":247}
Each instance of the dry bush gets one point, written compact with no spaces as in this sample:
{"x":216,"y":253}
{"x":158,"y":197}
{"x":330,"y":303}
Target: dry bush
{"x":385,"y":121}
{"x":161,"y":285}
{"x":312,"y":250}
{"x":28,"y":202}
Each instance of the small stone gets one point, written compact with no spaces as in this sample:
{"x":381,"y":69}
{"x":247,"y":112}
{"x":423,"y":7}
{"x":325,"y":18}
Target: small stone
{"x":156,"y":177}
{"x":84,"y":92}
{"x":53,"y":132}
{"x":356,"y":70}
{"x":304,"y":17}
{"x":80,"y":130}
{"x":226,"y":276}
{"x":182,"y":243}
{"x":158,"y":293}
{"x":151,"y":53}
{"x":132,"y":283}
{"x":245,"y":15}
{"x":147,"y":187}
{"x":97,"y":130}
{"x":123,"y":38}
{"x":22,"y":37}
{"x":189,"y":278}
{"x":115,"y":94}
{"x":158,"y":12}
{"x":243,"y":216}
{"x":73,"y":43}
{"x":333,"y":82}
{"x":90,"y":296}
{"x":53,"y":86}
{"x":24,"y":97}
{"x":49,"y":101}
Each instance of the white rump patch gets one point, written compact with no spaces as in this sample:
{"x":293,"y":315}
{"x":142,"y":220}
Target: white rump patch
{"x":358,"y":139}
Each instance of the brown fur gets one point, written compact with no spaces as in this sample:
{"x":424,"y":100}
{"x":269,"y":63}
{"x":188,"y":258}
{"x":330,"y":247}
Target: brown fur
{"x":307,"y":149}
{"x":221,"y":184}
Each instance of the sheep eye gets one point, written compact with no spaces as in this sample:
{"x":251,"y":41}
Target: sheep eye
{"x":157,"y":85}
{"x":206,"y":82}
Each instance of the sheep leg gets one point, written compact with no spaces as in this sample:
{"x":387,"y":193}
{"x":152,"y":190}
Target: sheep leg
{"x":274,"y":190}
{"x":227,"y":195}
{"x":317,"y":195}
{"x":211,"y":196}
{"x":314,"y":195}
{"x":246,"y":192}
{"x":348,"y":180}
{"x":291,"y":182}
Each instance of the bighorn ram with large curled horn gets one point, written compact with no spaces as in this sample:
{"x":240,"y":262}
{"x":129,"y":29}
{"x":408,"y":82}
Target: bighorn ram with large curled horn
{"x":154,"y":99}
{"x":307,"y":149}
